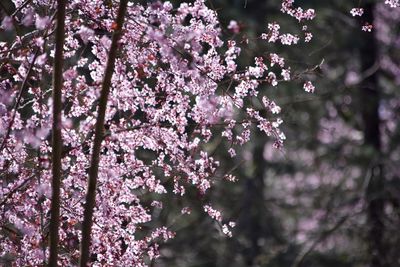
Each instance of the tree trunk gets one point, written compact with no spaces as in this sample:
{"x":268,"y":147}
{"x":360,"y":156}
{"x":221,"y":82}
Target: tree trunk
{"x":370,"y":98}
{"x":256,"y":220}
{"x":56,"y":131}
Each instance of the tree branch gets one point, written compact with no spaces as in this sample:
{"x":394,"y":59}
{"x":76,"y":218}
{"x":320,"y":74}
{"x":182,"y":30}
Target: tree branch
{"x":98,"y":138}
{"x":56,"y":131}
{"x":305,"y":252}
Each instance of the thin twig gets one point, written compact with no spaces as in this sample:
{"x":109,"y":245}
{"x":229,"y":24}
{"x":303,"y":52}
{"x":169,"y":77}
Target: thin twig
{"x":300,"y":258}
{"x":21,"y":7}
{"x":21,"y":91}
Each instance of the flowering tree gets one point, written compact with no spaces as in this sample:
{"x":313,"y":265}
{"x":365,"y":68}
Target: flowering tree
{"x":138,"y":91}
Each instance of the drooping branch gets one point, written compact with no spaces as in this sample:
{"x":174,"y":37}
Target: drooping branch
{"x":56,"y":131}
{"x":98,"y":137}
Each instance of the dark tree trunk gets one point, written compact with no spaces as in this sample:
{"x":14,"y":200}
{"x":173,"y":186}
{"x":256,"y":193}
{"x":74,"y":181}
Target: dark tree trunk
{"x":370,"y":98}
{"x":256,"y":221}
{"x":56,"y":128}
{"x":254,"y":208}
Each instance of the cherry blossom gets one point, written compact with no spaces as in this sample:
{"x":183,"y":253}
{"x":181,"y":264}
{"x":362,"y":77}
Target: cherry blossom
{"x":357,"y":12}
{"x":392,"y":3}
{"x":7,"y":23}
{"x":367,"y":27}
{"x":308,"y":87}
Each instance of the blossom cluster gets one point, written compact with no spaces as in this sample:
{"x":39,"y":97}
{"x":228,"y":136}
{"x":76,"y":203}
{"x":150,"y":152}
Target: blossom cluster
{"x":168,"y":95}
{"x":368,"y":25}
{"x":392,"y":3}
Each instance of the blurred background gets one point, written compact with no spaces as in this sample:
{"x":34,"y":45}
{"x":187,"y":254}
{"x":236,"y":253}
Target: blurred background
{"x":331,"y":196}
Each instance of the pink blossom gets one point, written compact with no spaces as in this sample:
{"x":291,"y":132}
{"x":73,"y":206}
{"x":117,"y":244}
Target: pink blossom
{"x":7,"y":23}
{"x":357,"y":12}
{"x":234,"y":26}
{"x":28,"y":18}
{"x":367,"y":27}
{"x":213,"y":213}
{"x":308,"y":87}
{"x":42,"y":22}
{"x":392,"y":3}
{"x":85,"y":33}
{"x":186,"y":210}
{"x":308,"y":37}
{"x":232,"y":152}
